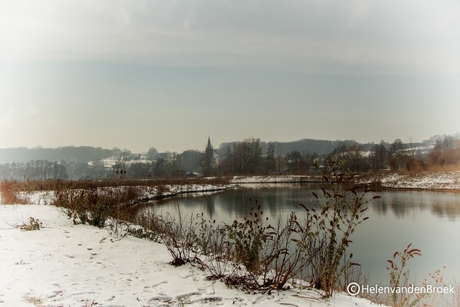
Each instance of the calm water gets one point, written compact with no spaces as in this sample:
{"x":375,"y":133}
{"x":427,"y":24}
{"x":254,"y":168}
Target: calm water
{"x":428,"y":220}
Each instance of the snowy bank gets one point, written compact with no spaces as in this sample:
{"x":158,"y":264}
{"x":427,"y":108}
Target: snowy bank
{"x":431,"y":181}
{"x":78,"y":265}
{"x":275,"y":179}
{"x":167,"y":191}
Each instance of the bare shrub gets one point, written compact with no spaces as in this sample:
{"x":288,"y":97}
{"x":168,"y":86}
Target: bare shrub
{"x":268,"y":253}
{"x":399,"y":277}
{"x":212,"y":244}
{"x":248,"y":237}
{"x":352,"y":274}
{"x":150,"y":227}
{"x":85,"y":206}
{"x":444,"y":295}
{"x":33,"y":224}
{"x":283,"y":258}
{"x":326,"y":233}
{"x":178,"y":235}
{"x":93,"y":205}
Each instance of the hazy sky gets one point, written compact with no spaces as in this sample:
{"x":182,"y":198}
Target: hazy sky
{"x":168,"y":74}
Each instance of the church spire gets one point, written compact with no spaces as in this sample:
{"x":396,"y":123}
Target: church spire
{"x":209,"y":160}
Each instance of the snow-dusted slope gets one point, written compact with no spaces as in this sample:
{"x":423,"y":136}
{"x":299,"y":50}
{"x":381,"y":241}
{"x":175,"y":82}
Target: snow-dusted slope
{"x":435,"y":181}
{"x":77,"y":265}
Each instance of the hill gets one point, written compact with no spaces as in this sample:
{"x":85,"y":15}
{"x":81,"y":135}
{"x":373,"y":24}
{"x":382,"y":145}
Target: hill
{"x":67,"y":153}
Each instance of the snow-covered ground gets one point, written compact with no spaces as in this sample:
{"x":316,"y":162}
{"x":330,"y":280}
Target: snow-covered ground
{"x":173,"y":190}
{"x":78,"y":265}
{"x":435,"y":181}
{"x":274,"y":179}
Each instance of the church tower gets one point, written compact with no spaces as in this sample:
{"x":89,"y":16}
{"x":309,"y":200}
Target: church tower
{"x":208,"y":159}
{"x":209,"y":146}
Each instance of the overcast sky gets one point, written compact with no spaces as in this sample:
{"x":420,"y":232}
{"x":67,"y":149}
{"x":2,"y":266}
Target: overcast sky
{"x":168,"y":74}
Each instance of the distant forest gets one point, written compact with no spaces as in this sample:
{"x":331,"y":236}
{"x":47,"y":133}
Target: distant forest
{"x":248,"y":157}
{"x":67,"y":153}
{"x":88,"y":153}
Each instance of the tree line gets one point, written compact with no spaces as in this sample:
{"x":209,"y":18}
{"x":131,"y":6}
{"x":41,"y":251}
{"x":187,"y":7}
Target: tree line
{"x":248,"y":157}
{"x":33,"y":170}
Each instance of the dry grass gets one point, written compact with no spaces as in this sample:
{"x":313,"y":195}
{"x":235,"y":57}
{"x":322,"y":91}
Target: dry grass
{"x":10,"y":191}
{"x":47,"y":185}
{"x":444,"y":168}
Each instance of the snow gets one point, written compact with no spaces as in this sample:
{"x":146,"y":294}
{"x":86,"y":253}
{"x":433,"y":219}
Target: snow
{"x":168,"y":190}
{"x":434,"y":181}
{"x":111,"y":161}
{"x":274,"y":179}
{"x":63,"y":264}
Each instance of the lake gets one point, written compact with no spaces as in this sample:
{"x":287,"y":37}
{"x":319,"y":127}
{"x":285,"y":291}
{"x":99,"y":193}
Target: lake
{"x":429,"y":220}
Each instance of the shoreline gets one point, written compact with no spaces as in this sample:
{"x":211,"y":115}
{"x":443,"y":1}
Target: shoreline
{"x":435,"y":182}
{"x":442,"y":182}
{"x":152,"y":197}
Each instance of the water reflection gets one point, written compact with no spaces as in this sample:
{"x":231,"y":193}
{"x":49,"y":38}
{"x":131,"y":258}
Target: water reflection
{"x":283,"y":199}
{"x":449,"y":209}
{"x":404,"y":204}
{"x":429,"y":220}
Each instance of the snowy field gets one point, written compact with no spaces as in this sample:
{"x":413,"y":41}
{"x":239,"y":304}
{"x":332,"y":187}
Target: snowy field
{"x":78,"y":265}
